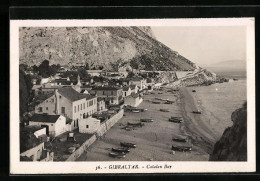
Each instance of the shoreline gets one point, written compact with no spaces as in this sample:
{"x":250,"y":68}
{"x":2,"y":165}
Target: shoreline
{"x":196,"y":125}
{"x":154,"y":140}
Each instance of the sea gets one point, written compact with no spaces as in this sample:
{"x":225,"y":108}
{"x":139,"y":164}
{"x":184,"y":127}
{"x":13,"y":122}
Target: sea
{"x":218,"y":101}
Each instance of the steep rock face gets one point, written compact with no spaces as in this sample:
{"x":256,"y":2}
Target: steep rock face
{"x":232,"y":146}
{"x":111,"y":47}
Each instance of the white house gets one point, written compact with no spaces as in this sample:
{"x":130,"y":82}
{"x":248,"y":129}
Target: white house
{"x":89,"y":125}
{"x":68,"y":102}
{"x":133,"y":100}
{"x":54,"y":124}
{"x":101,"y":105}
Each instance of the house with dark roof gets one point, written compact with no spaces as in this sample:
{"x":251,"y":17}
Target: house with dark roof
{"x":32,"y":146}
{"x":111,"y":94}
{"x":54,"y":124}
{"x":68,"y":102}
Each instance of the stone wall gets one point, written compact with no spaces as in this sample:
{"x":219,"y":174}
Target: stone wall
{"x":82,"y":148}
{"x":104,"y":127}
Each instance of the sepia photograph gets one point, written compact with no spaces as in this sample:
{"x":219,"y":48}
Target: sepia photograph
{"x":132,"y":96}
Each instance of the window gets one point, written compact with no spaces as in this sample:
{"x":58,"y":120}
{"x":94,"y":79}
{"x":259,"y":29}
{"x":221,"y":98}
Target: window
{"x":63,"y":110}
{"x":87,"y":104}
{"x":80,"y":106}
{"x":46,"y":101}
{"x":91,"y":103}
{"x":46,"y":108}
{"x":86,"y":126}
{"x":51,"y":124}
{"x":125,"y":93}
{"x":60,"y":97}
{"x":75,"y":109}
{"x":103,"y":92}
{"x":40,"y":109}
{"x":84,"y":106}
{"x":74,"y":124}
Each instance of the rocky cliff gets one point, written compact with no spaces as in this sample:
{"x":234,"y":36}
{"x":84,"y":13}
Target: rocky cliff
{"x":232,"y":146}
{"x":111,"y":47}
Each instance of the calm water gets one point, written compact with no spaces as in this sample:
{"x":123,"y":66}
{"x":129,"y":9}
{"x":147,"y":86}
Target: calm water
{"x":218,"y":101}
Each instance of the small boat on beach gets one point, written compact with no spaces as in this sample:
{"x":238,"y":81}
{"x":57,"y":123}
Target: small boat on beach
{"x":179,"y":139}
{"x":146,"y":120}
{"x":135,"y":110}
{"x":235,"y":79}
{"x":193,"y":90}
{"x":121,"y":150}
{"x":156,"y":102}
{"x":164,"y":110}
{"x":160,"y":93}
{"x":196,"y":112}
{"x":176,"y":120}
{"x":181,"y":148}
{"x":135,"y":124}
{"x":128,"y":145}
{"x":117,"y":155}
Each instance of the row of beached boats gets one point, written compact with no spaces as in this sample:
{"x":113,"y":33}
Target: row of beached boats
{"x":131,"y":125}
{"x":122,"y":151}
{"x":181,"y":148}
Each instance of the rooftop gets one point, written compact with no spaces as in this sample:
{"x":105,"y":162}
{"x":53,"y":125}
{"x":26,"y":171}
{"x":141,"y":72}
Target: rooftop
{"x":41,"y":97}
{"x":44,"y":118}
{"x":135,"y":95}
{"x":27,"y":140}
{"x":133,"y":86}
{"x":106,"y":88}
{"x":126,"y":88}
{"x":72,"y":94}
{"x":31,"y":129}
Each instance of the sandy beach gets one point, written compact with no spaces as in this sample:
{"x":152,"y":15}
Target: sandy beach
{"x":154,"y":140}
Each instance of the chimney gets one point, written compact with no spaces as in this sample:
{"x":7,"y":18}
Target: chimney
{"x":57,"y":104}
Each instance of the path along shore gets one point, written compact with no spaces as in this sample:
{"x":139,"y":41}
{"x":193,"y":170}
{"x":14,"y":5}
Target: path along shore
{"x":154,"y":140}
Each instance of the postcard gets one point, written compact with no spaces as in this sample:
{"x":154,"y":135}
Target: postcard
{"x":132,"y":96}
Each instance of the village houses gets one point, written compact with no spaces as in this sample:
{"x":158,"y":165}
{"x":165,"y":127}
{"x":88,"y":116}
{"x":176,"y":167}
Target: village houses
{"x":111,"y":95}
{"x":140,"y":82}
{"x":68,"y":102}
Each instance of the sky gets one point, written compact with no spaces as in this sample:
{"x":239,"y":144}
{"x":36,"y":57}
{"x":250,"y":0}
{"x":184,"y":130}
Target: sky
{"x":205,"y":45}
